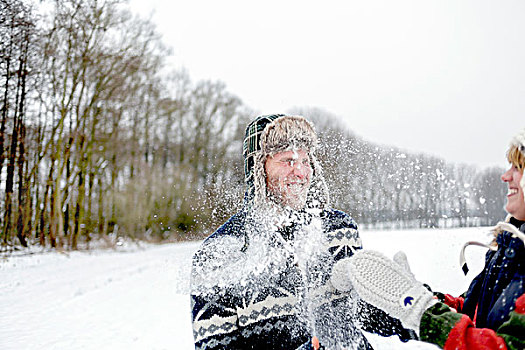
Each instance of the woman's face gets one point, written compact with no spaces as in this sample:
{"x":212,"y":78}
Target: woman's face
{"x":515,"y":202}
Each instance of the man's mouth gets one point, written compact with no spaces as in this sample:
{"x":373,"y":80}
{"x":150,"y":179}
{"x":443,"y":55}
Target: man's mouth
{"x":296,"y":187}
{"x":512,"y":191}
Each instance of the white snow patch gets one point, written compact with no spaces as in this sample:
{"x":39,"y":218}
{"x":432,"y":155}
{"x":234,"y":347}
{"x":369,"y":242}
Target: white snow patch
{"x":139,"y":299}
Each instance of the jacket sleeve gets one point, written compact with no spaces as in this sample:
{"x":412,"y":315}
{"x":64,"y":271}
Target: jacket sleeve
{"x":452,"y":330}
{"x":377,"y":321}
{"x":215,"y":325}
{"x":213,"y":313}
{"x":344,"y":241}
{"x":513,"y":331}
{"x":335,"y":320}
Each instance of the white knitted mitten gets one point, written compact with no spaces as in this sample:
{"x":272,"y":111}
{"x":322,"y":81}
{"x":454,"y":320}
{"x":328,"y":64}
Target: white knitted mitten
{"x":390,"y":287}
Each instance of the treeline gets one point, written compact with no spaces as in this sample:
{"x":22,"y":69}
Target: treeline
{"x":100,"y":138}
{"x":385,"y":187}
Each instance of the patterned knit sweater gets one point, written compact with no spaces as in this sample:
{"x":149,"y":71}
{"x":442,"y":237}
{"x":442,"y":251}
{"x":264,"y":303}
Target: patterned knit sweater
{"x":267,"y":286}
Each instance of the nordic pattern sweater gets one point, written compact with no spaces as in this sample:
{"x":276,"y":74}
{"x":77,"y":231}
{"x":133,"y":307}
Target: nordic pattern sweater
{"x":281,"y":305}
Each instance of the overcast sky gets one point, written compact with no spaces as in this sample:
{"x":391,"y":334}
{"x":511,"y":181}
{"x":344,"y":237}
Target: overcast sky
{"x":445,"y":77}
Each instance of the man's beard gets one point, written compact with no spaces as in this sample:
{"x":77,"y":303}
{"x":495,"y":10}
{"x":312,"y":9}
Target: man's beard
{"x":293,"y":196}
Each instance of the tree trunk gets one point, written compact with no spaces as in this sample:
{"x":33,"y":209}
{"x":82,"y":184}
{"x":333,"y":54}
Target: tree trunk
{"x":79,"y":210}
{"x":9,"y":183}
{"x":102,"y":222}
{"x":6,"y":90}
{"x":23,"y":200}
{"x":22,"y":186}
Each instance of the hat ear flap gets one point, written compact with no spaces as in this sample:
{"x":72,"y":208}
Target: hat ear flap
{"x":259,"y":179}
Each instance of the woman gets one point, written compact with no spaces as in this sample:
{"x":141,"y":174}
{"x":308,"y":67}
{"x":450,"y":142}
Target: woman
{"x":492,"y":314}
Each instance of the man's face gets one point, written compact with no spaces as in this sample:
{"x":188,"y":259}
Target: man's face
{"x":515,"y":203}
{"x":288,"y":176}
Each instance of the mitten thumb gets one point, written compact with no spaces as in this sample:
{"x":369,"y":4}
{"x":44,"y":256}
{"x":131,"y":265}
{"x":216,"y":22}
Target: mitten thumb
{"x":401,"y":258}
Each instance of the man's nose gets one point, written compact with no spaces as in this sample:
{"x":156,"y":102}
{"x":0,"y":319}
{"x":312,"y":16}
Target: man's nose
{"x":300,"y":169}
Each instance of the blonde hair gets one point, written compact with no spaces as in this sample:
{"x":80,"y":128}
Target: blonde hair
{"x":516,"y":157}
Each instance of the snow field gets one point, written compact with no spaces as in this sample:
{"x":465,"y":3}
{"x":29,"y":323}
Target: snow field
{"x":138,"y":297}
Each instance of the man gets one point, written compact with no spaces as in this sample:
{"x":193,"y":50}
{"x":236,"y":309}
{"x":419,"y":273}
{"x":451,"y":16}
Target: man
{"x":268,"y":278}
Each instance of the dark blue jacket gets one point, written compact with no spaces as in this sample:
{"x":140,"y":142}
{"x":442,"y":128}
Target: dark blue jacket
{"x":494,"y":291}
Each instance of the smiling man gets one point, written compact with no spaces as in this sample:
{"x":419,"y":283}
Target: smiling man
{"x":288,"y":178}
{"x":267,"y":278}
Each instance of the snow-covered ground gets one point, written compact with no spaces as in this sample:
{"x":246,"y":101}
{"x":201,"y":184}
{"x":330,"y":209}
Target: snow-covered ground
{"x":137,"y":297}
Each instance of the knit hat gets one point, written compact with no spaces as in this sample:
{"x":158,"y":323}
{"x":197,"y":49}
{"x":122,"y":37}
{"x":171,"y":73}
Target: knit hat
{"x":270,"y":134}
{"x":519,"y":141}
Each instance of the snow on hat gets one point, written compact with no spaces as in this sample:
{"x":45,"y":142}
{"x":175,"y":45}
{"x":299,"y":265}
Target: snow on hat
{"x":270,"y":134}
{"x":519,"y":141}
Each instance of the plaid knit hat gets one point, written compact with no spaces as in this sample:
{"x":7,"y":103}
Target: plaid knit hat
{"x":270,"y":134}
{"x":251,"y":146}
